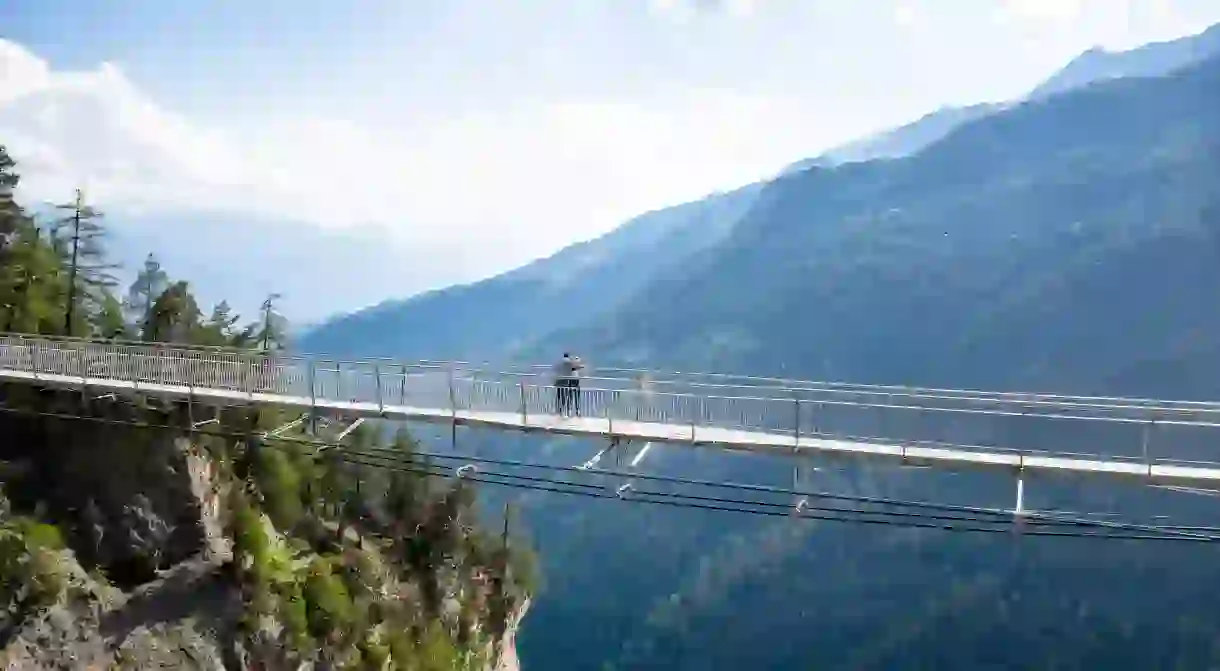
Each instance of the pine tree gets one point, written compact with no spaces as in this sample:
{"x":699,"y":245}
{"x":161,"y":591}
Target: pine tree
{"x":79,"y":237}
{"x":14,"y":275}
{"x":110,"y":322}
{"x":150,"y":283}
{"x":272,"y":329}
{"x":174,"y":316}
{"x":218,"y":331}
{"x":10,"y":214}
{"x":31,"y":282}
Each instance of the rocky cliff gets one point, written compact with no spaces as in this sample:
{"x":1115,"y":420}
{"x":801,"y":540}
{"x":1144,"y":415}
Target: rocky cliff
{"x":135,"y":548}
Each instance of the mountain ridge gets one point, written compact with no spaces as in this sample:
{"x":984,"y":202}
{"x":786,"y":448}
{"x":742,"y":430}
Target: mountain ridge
{"x":1064,"y":245}
{"x":508,"y":294}
{"x":1069,"y":243}
{"x":1093,"y":65}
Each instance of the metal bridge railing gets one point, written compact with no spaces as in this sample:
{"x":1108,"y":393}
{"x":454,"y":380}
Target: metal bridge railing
{"x":1139,"y":431}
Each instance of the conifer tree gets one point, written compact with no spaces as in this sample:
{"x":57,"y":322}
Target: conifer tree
{"x":272,"y":329}
{"x":31,"y":282}
{"x":79,"y":236}
{"x":150,"y":283}
{"x":110,"y":322}
{"x":9,"y":212}
{"x":218,"y":330}
{"x":174,"y":316}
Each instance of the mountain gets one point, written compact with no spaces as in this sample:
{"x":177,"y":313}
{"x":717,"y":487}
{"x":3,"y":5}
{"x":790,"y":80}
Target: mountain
{"x":1100,"y":197}
{"x":583,"y":281}
{"x":242,"y":259}
{"x":498,"y":316}
{"x":1069,"y":244}
{"x":1066,"y":243}
{"x":1158,"y":58}
{"x":909,"y":138}
{"x":1093,"y":65}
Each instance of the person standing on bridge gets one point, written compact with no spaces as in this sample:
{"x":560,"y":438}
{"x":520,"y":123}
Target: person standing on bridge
{"x":567,"y":384}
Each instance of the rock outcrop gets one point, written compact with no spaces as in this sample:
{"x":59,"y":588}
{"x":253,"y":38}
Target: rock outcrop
{"x":171,"y":562}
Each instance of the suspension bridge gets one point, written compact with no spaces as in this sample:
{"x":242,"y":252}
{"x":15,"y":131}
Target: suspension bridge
{"x":1167,"y":443}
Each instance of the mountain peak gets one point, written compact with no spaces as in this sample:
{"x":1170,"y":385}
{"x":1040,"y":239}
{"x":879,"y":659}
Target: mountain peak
{"x":1150,"y":60}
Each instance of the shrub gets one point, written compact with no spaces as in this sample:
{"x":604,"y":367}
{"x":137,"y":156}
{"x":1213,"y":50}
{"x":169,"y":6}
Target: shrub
{"x":329,"y":606}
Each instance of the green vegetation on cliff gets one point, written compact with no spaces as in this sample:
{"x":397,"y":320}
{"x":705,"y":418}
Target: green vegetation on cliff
{"x":298,"y":555}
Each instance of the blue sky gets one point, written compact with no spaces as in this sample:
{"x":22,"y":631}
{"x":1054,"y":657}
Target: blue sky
{"x":499,"y":131}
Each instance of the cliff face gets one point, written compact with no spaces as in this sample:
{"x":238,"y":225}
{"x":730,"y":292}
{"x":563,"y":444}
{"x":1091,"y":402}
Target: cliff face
{"x":136,"y":548}
{"x":141,"y":512}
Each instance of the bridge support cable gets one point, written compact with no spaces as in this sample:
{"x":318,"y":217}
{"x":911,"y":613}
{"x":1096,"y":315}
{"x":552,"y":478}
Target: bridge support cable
{"x":1019,"y":507}
{"x":350,"y":428}
{"x":639,"y":456}
{"x":592,"y":462}
{"x":755,"y":508}
{"x":927,"y":509}
{"x":924,"y":510}
{"x":279,"y":431}
{"x":906,"y":518}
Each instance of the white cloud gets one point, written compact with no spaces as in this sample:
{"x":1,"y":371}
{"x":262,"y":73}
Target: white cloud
{"x":502,"y":186}
{"x":684,"y":10}
{"x":905,"y":14}
{"x":1042,"y":11}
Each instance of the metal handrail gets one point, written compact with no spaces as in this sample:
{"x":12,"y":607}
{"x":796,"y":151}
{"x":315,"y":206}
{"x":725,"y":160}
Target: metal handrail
{"x":812,"y":392}
{"x":454,"y":391}
{"x":788,"y":386}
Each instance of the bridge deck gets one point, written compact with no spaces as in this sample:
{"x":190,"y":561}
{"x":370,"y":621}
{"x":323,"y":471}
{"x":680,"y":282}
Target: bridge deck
{"x":786,"y":443}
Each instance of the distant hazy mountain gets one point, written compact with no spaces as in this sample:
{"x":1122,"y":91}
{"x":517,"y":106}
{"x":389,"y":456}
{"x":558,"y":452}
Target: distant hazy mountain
{"x":577,"y":284}
{"x":498,"y":316}
{"x":1149,"y":60}
{"x":242,"y":259}
{"x":1092,"y":66}
{"x":910,"y":138}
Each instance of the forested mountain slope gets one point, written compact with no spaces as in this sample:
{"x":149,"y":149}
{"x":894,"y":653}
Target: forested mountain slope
{"x":581,"y":283}
{"x":1070,"y":244}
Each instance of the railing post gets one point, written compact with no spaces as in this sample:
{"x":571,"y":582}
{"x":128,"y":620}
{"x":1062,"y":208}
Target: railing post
{"x":34,"y":363}
{"x":402,"y":389}
{"x":311,"y":375}
{"x":452,"y":395}
{"x":313,"y":389}
{"x":524,"y":418}
{"x":133,"y":370}
{"x":796,"y":430}
{"x":380,"y":400}
{"x":84,"y":379}
{"x":1147,"y":437}
{"x":695,"y":419}
{"x":885,"y":429}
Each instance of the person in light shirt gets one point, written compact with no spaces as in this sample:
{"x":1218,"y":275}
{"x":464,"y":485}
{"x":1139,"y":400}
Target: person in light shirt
{"x":567,"y":384}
